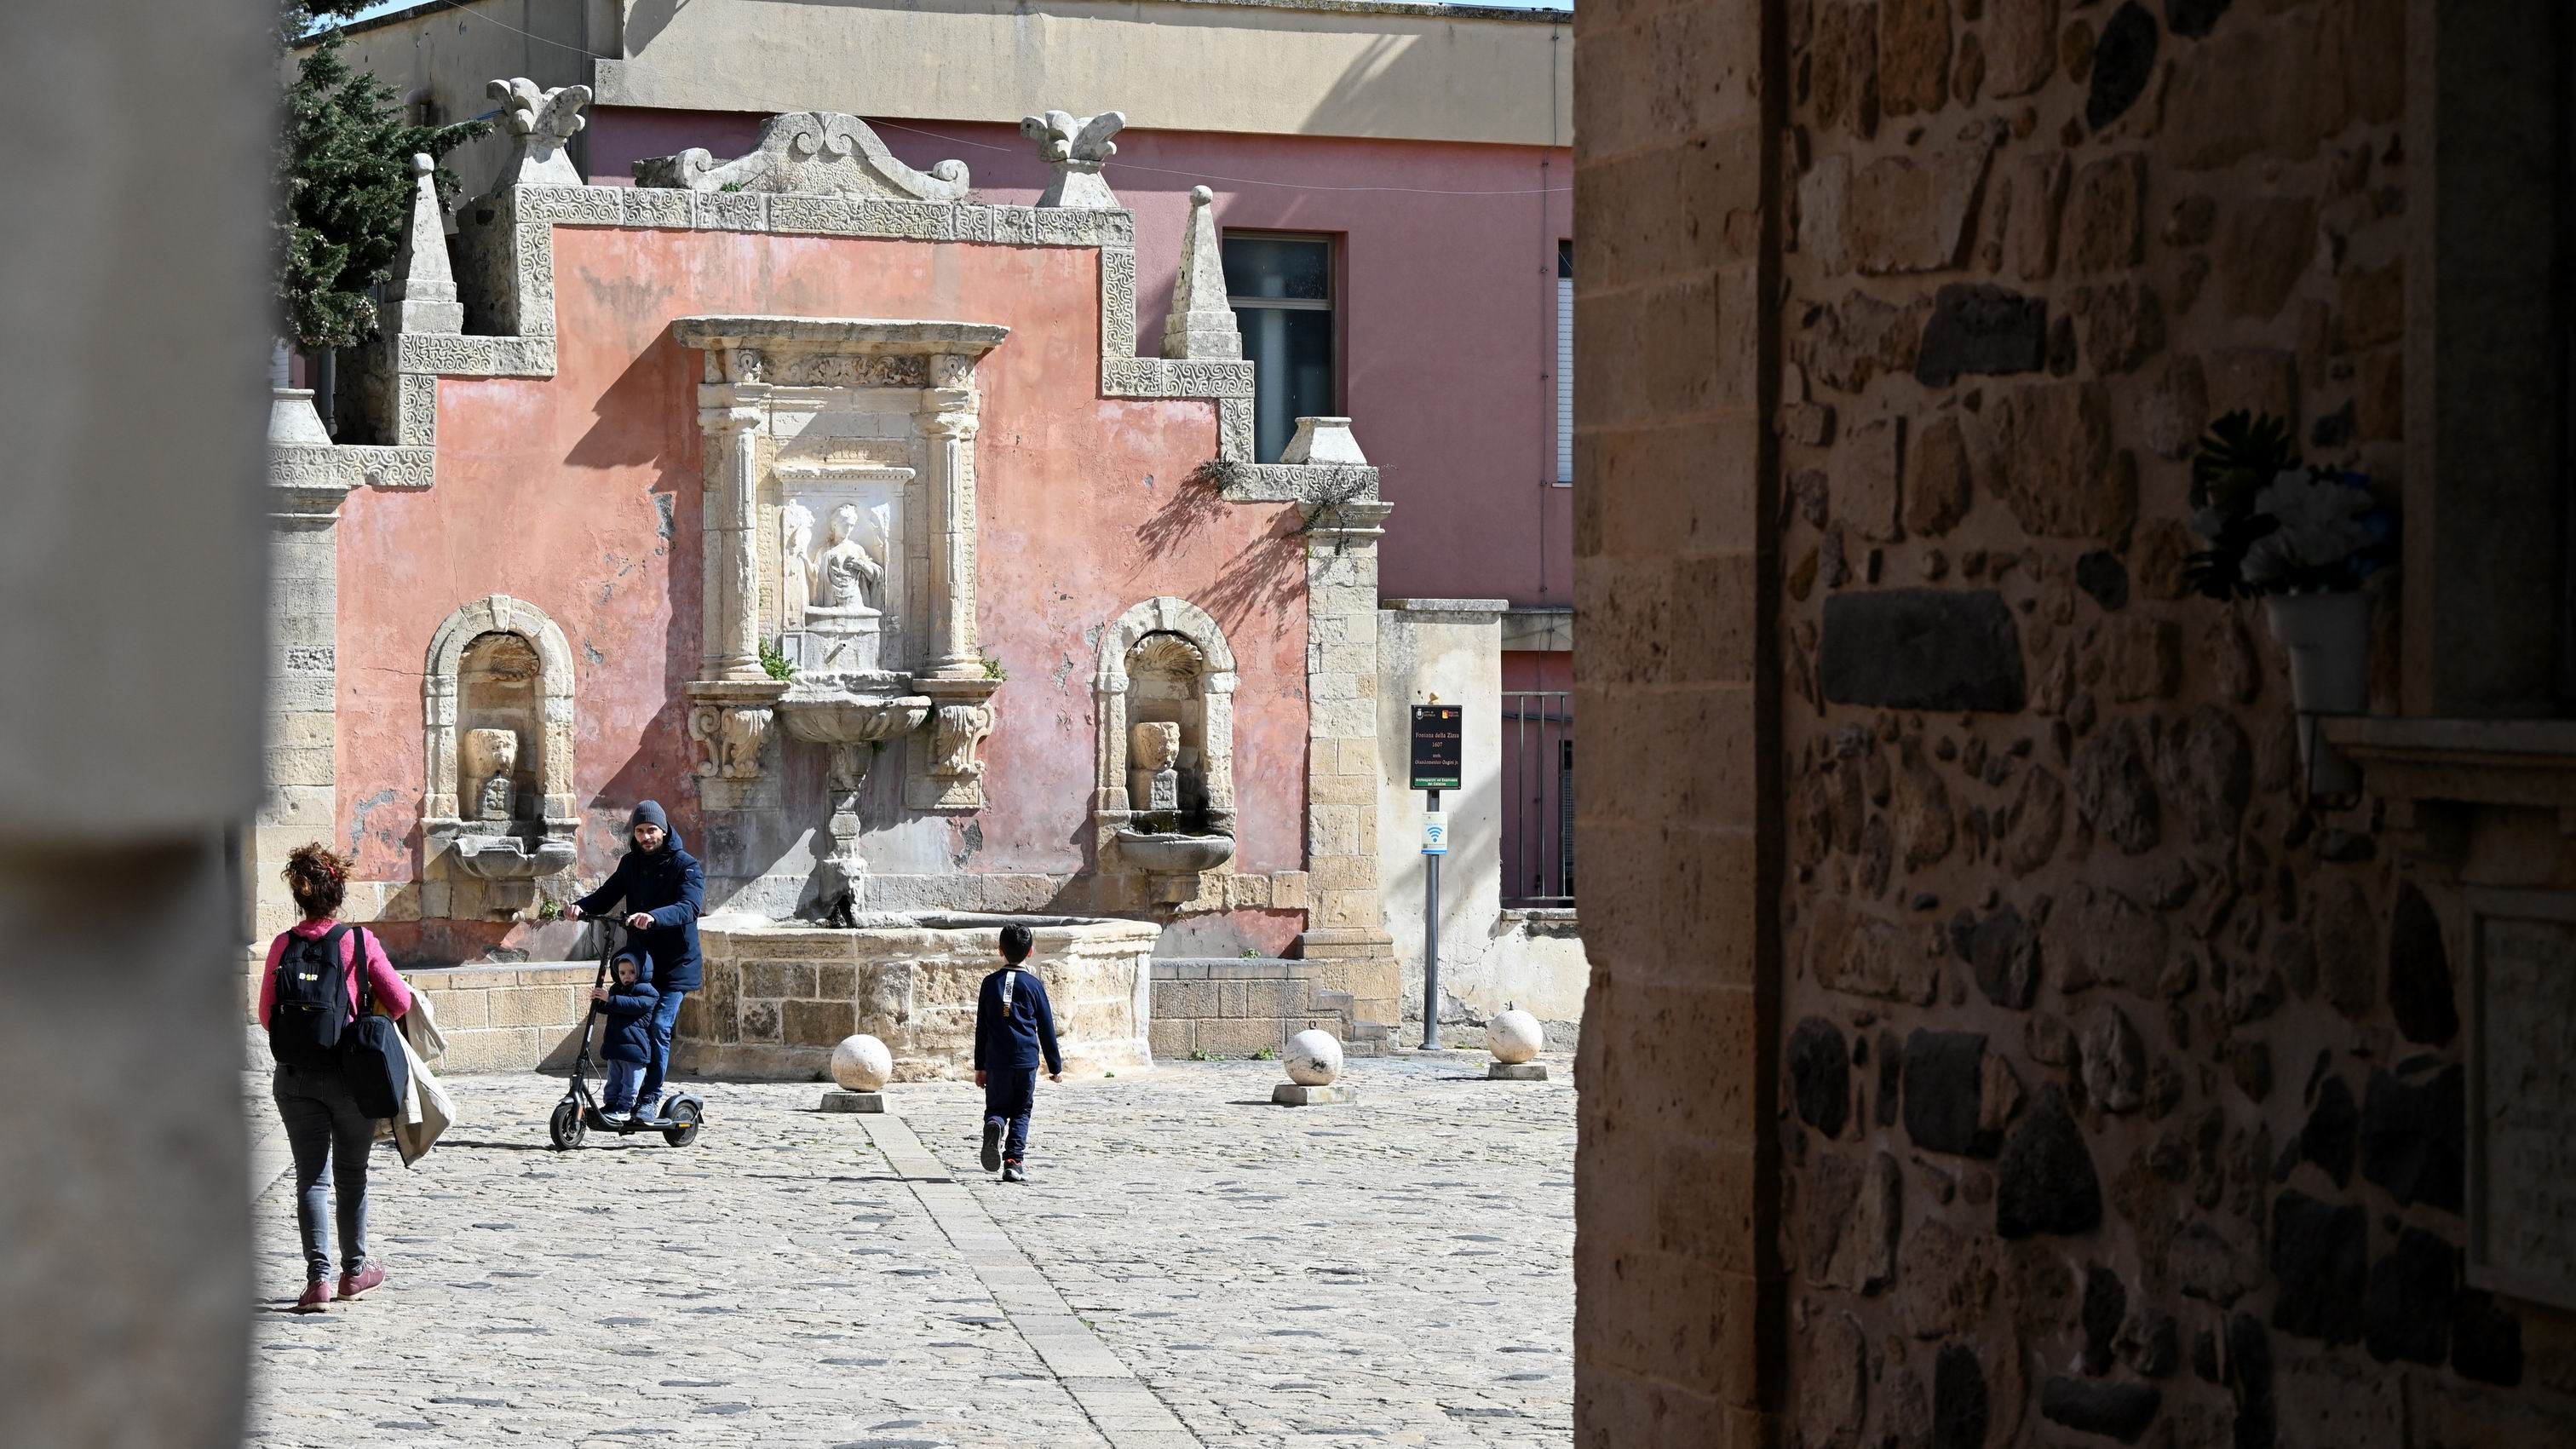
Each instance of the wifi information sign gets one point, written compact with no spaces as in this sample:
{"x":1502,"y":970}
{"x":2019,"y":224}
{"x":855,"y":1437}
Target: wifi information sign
{"x":1438,"y":737}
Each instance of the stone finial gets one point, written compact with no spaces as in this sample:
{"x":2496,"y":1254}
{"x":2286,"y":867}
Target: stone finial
{"x":1201,"y":325}
{"x":540,"y":122}
{"x":426,"y":290}
{"x":292,"y":422}
{"x":1324,"y":441}
{"x":1075,"y":146}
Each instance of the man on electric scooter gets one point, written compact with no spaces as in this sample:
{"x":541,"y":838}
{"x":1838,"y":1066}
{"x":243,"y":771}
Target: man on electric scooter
{"x":663,"y":889}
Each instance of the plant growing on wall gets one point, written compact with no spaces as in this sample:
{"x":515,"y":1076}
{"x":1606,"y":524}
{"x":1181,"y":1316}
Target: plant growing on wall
{"x":2275,"y":525}
{"x":344,"y":187}
{"x":773,"y":661}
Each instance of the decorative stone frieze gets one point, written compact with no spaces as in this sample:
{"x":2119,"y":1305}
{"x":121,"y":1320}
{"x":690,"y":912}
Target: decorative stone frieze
{"x":803,"y":153}
{"x":539,"y":123}
{"x":1075,"y":146}
{"x":1201,"y":324}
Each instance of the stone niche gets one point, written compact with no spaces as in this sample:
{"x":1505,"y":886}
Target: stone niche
{"x":840,"y":548}
{"x":497,"y":709}
{"x":1163,"y":801}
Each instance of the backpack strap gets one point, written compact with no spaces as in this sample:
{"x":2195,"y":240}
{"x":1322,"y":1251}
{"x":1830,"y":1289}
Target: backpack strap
{"x":366,"y":998}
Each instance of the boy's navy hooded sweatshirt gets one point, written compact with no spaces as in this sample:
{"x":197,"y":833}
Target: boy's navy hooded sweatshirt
{"x":629,"y":1009}
{"x":1013,"y":1040}
{"x":668,"y":883}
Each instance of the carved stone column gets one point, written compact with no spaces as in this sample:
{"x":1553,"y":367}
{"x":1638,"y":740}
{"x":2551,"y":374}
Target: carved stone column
{"x":731,"y":414}
{"x":301,"y":802}
{"x":948,"y":419}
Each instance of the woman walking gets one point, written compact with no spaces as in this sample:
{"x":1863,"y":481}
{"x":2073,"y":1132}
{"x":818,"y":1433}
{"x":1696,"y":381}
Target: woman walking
{"x":320,"y":975}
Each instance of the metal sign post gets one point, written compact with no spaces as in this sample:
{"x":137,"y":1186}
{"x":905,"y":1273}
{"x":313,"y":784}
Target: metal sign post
{"x":1437,"y":755}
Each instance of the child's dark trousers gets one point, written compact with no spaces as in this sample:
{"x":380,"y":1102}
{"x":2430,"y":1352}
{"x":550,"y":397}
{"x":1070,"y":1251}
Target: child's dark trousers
{"x":1008,"y":1095}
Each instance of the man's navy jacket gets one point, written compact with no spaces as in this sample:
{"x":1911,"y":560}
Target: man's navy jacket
{"x":1014,"y":1039}
{"x":669,"y":885}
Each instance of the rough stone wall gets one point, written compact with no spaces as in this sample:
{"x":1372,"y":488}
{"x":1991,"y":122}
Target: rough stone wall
{"x":2122,"y":1092}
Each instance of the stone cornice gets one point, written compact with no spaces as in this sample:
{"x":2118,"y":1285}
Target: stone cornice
{"x":841,"y":334}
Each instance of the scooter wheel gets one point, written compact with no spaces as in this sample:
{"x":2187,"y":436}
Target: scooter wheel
{"x":684,"y":1128}
{"x":565,"y":1127}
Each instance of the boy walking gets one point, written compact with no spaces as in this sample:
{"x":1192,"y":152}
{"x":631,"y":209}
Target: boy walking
{"x":627,"y":1044}
{"x":1014,"y":1028}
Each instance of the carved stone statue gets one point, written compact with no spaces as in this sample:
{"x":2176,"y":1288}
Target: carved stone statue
{"x":795,"y":551}
{"x":1154,"y":745}
{"x":1153,"y":784}
{"x":847,"y":569}
{"x":490,"y":757}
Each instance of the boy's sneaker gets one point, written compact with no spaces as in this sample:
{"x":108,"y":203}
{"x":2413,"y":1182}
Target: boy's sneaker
{"x":1011,"y":1173}
{"x":353,"y":1284}
{"x":317,"y":1296}
{"x":992,"y":1146}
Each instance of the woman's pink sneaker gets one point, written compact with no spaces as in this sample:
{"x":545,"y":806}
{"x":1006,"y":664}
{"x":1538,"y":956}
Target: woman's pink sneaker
{"x":317,"y":1296}
{"x":353,"y":1284}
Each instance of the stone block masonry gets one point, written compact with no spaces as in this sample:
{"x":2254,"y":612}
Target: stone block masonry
{"x":1241,"y":1008}
{"x":1984,"y":1027}
{"x":777,"y":1001}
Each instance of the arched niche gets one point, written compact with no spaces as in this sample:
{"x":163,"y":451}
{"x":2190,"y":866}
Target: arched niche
{"x":1166,"y":661}
{"x":497,"y":700}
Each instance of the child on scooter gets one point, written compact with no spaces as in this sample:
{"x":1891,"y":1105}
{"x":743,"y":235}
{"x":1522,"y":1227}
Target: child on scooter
{"x":627,"y":1043}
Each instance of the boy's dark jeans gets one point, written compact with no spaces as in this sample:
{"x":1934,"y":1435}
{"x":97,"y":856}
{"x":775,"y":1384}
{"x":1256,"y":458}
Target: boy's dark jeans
{"x":1008,"y":1095}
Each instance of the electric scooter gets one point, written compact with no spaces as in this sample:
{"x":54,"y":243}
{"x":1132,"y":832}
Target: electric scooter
{"x":578,"y":1114}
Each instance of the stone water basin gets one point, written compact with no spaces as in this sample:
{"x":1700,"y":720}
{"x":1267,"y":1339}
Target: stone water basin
{"x":780,"y":995}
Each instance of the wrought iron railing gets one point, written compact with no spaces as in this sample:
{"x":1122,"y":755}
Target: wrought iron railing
{"x":1538,"y":797}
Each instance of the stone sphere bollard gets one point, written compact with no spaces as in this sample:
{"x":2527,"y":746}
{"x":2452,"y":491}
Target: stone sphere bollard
{"x":862,"y":1063}
{"x":1514,"y":1037}
{"x":1314,"y":1059}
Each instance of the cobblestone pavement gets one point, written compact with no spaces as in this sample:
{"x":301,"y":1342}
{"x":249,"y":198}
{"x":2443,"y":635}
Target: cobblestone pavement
{"x":1190,"y":1266}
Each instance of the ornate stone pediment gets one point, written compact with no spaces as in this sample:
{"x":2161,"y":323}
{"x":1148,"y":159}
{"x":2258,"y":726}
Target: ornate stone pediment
{"x":809,"y":153}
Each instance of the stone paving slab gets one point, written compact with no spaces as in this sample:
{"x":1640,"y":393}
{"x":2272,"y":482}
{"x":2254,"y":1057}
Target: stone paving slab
{"x":1191,"y":1266}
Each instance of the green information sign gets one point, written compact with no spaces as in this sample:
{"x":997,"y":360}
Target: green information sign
{"x":1438,"y":734}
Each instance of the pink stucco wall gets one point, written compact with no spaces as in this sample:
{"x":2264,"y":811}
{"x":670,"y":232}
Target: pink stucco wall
{"x":1447,"y":305}
{"x":581,"y":494}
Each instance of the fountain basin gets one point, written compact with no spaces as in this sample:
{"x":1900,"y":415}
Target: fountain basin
{"x":501,"y":856}
{"x":779,"y":996}
{"x":852,"y":719}
{"x":1174,"y":852}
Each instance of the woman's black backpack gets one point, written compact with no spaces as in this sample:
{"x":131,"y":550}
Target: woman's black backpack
{"x":312,"y":1012}
{"x":315,"y":1025}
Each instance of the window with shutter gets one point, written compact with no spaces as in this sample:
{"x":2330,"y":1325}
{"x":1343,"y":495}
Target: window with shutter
{"x":1564,"y":363}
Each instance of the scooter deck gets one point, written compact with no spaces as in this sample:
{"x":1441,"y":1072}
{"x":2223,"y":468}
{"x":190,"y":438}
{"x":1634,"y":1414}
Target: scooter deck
{"x":597,"y":1121}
